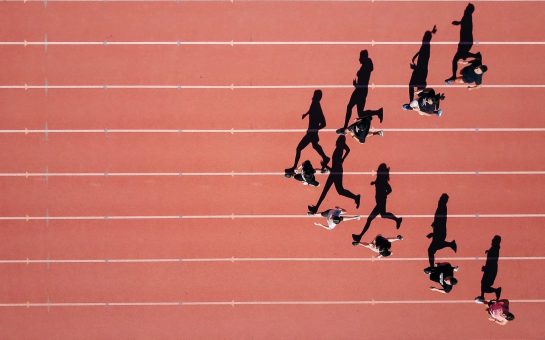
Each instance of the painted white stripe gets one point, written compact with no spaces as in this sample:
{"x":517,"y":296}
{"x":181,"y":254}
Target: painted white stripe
{"x":244,"y":87}
{"x":262,"y":259}
{"x":233,"y":174}
{"x":235,"y":131}
{"x":234,"y":216}
{"x":233,"y":1}
{"x":26,"y":43}
{"x":249,"y":303}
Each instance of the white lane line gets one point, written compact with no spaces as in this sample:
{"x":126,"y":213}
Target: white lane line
{"x":234,"y":216}
{"x":237,"y":131}
{"x":26,"y":43}
{"x":233,"y":174}
{"x":245,"y":87}
{"x":262,"y":259}
{"x":237,"y":1}
{"x":234,"y":303}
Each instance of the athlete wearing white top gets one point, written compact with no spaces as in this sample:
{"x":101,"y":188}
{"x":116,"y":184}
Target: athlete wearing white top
{"x":334,"y":217}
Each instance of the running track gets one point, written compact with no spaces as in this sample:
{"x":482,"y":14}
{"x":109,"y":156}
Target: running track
{"x":142,"y":149}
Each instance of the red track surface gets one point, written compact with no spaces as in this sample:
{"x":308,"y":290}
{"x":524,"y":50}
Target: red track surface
{"x":224,"y":247}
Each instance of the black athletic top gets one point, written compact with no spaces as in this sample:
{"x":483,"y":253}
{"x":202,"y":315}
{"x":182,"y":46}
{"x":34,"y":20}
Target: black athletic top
{"x":468,"y":73}
{"x":382,"y":243}
{"x":308,"y":171}
{"x":439,"y":273}
{"x":361,"y":128}
{"x":424,"y":105}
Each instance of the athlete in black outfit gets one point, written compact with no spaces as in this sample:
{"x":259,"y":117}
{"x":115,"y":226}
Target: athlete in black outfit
{"x":443,"y":274}
{"x":360,"y":129}
{"x":427,"y":103}
{"x":380,"y":245}
{"x":472,"y":74}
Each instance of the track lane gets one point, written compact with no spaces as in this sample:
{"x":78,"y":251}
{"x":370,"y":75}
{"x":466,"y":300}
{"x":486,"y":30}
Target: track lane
{"x":271,"y":152}
{"x":289,"y":322}
{"x":263,"y":238}
{"x":247,"y":65}
{"x":253,"y":282}
{"x":267,"y":109}
{"x":256,"y":21}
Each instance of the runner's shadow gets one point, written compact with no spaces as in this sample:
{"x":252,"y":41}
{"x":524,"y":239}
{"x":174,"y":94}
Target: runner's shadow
{"x":490,"y":269}
{"x":382,"y":190}
{"x":361,"y":88}
{"x":336,"y":175}
{"x":439,"y":233}
{"x":466,"y":39}
{"x":316,"y":122}
{"x":420,"y":68}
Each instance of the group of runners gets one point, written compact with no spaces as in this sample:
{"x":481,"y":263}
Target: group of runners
{"x":425,"y":101}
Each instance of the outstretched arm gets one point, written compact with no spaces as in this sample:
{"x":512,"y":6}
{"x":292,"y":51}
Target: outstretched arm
{"x":350,"y":218}
{"x":422,"y":113}
{"x":321,"y":225}
{"x":394,"y":239}
{"x":439,"y":290}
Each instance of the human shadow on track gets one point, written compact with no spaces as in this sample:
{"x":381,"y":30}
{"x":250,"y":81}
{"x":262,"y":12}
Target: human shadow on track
{"x":361,"y":89}
{"x":466,"y":40}
{"x":439,"y":233}
{"x":336,"y":176}
{"x":490,"y":270}
{"x":382,"y":190}
{"x":316,"y":122}
{"x":420,"y":68}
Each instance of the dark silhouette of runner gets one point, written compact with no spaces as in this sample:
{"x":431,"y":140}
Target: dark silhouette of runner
{"x":490,"y":270}
{"x":359,"y":96}
{"x":466,"y":40}
{"x":336,"y":176}
{"x":439,"y":233}
{"x":420,"y":69}
{"x":316,"y":122}
{"x":382,"y":190}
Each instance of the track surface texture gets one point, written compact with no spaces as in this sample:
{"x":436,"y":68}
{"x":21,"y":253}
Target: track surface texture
{"x":143,"y":146}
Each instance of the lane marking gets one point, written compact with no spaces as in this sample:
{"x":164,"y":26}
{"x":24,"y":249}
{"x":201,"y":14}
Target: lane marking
{"x":46,"y":43}
{"x":49,"y":87}
{"x":262,"y":259}
{"x":48,"y":131}
{"x":233,"y":1}
{"x":233,"y":174}
{"x":234,"y":303}
{"x":235,"y":216}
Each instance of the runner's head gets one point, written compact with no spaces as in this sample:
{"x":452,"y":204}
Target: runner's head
{"x":385,"y":252}
{"x":451,"y":281}
{"x":364,"y":55}
{"x":509,"y":316}
{"x":317,"y":95}
{"x":469,"y":9}
{"x":337,"y":219}
{"x":481,"y":69}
